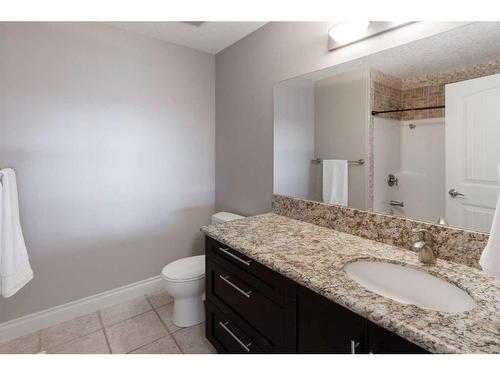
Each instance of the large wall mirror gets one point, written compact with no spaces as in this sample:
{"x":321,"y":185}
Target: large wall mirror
{"x":413,"y":131}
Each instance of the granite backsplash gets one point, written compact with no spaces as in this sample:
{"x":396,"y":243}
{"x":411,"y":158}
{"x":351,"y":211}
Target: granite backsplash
{"x":452,"y":244}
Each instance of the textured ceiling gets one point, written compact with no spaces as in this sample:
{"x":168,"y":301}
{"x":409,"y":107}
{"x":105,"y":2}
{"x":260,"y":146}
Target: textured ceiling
{"x":210,"y":37}
{"x":471,"y":44}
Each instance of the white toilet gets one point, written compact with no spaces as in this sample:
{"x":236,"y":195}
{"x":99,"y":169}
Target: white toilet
{"x":185,"y":282}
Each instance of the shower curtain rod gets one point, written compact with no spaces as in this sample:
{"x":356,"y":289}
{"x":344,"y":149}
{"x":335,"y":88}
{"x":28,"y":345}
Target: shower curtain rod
{"x":375,"y":113}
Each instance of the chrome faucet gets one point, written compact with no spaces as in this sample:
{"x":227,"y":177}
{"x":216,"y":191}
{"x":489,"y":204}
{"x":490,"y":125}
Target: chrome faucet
{"x":423,"y":246}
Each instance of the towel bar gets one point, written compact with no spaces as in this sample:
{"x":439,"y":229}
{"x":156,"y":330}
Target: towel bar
{"x":349,"y":162}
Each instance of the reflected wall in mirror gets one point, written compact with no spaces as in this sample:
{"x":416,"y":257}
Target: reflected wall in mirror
{"x":424,"y":118}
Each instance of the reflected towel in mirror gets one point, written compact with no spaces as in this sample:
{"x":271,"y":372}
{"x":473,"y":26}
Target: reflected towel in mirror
{"x":335,"y":182}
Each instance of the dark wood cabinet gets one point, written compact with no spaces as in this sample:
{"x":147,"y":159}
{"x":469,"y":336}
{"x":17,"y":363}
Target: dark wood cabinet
{"x":228,"y":336}
{"x":267,"y":282}
{"x":253,"y":309}
{"x":325,"y":327}
{"x":382,"y":341}
{"x":246,"y":302}
{"x":257,"y":299}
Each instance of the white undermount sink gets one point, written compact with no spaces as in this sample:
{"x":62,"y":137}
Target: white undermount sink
{"x":410,"y":286}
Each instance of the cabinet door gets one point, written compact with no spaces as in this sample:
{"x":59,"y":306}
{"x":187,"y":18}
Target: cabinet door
{"x":325,"y":327}
{"x":382,"y":341}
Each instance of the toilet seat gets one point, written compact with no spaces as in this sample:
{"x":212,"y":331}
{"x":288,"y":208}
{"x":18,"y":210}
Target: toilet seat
{"x":185,"y":269}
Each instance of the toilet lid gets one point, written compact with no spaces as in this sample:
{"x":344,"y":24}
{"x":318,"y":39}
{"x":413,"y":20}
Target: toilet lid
{"x":222,"y":217}
{"x":185,"y":269}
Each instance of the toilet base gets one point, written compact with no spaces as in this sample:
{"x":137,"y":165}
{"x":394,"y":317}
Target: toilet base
{"x":188,"y":311}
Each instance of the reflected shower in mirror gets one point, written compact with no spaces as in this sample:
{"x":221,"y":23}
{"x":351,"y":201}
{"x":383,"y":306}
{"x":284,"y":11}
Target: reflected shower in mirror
{"x":427,"y":134}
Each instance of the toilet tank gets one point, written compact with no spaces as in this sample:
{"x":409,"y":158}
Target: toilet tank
{"x":222,"y":217}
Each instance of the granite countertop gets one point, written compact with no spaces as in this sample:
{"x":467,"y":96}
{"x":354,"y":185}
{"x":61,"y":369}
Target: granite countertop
{"x":315,"y":257}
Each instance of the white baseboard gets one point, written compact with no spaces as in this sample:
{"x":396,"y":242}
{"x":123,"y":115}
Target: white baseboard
{"x":42,"y":319}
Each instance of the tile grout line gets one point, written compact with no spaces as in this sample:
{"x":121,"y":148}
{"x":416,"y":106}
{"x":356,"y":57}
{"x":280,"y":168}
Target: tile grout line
{"x":127,"y":318}
{"x":159,"y":317}
{"x":163,"y":323}
{"x":156,"y":307}
{"x":103,"y":328}
{"x":39,"y":341}
{"x":132,"y":317}
{"x":172,"y":334}
{"x":152,"y":342}
{"x":101,"y":322}
{"x":70,"y":341}
{"x":67,"y":341}
{"x":104,"y":331}
{"x":159,"y":307}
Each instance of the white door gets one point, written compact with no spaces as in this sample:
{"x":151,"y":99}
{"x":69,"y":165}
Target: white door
{"x":472,"y":151}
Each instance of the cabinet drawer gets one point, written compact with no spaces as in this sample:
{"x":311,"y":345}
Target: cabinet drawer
{"x":267,"y":282}
{"x":225,"y":334}
{"x":263,"y":315}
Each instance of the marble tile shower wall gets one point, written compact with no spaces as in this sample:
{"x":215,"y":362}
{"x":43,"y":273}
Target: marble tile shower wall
{"x":425,"y":96}
{"x":452,"y":244}
{"x":385,"y":93}
{"x":388,"y":92}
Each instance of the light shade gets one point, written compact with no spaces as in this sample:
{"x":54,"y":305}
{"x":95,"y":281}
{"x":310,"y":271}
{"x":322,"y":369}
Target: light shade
{"x":348,"y":31}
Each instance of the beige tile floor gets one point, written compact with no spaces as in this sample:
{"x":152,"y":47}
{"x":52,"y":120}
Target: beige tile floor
{"x":139,"y":326}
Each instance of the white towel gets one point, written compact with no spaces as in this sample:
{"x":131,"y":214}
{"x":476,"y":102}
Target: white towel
{"x":15,"y":269}
{"x":335,"y":184}
{"x":490,"y":257}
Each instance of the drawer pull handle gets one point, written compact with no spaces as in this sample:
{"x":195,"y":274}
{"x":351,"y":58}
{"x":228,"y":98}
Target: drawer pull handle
{"x":225,"y":278}
{"x":243,"y":345}
{"x":225,"y":251}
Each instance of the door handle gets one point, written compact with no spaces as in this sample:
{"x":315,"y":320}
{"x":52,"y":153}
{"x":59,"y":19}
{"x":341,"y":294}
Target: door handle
{"x":453,"y":193}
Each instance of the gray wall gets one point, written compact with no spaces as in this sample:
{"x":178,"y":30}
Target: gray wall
{"x":112,"y":137}
{"x":326,"y":119}
{"x":245,"y":74}
{"x":294,"y":138}
{"x":342,"y":121}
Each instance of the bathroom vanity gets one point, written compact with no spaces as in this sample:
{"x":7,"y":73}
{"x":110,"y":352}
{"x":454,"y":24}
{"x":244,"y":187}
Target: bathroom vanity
{"x":385,"y":186}
{"x":253,"y":309}
{"x":278,"y":285}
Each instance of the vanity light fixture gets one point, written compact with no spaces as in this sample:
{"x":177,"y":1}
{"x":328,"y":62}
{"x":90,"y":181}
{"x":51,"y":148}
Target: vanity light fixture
{"x":347,"y":32}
